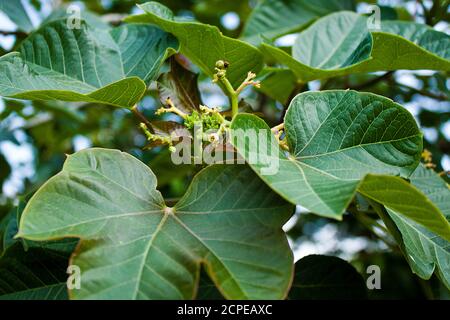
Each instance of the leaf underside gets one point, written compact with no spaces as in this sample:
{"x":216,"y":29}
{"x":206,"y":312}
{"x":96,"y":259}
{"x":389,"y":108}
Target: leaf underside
{"x":204,"y":44}
{"x":327,"y":49}
{"x":86,"y":64}
{"x":341,"y":142}
{"x":35,"y":274}
{"x":228,"y":220}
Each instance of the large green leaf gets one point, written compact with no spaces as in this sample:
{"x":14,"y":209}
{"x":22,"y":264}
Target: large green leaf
{"x":85,"y":64}
{"x":336,"y":140}
{"x":325,"y":277}
{"x":426,"y":251}
{"x":273,"y":18}
{"x":92,"y":19}
{"x":397,"y":194}
{"x":204,"y":44}
{"x":134,"y":247}
{"x":437,"y":43}
{"x":15,"y":10}
{"x":35,"y":274}
{"x":277,"y":83}
{"x":339,"y":41}
{"x":324,"y":50}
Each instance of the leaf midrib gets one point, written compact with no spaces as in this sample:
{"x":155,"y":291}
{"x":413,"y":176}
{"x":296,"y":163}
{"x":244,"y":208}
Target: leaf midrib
{"x":184,"y":226}
{"x":146,"y":252}
{"x":149,"y":246}
{"x":347,"y":93}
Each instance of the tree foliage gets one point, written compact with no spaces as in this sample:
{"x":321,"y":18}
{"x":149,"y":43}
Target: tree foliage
{"x":189,"y":183}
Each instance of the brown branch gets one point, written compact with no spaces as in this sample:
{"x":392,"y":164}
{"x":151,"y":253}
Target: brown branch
{"x":19,"y":34}
{"x":374,"y":81}
{"x":440,"y":97}
{"x":142,"y":118}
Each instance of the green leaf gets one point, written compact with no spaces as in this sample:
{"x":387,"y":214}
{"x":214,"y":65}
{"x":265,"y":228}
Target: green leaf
{"x":228,"y":220}
{"x":273,"y":18}
{"x":277,"y":83}
{"x":7,"y":230}
{"x":166,"y":171}
{"x":15,"y":10}
{"x":92,"y":19}
{"x":336,"y":140}
{"x":85,"y":64}
{"x":204,"y":44}
{"x":35,"y":274}
{"x":433,"y":41}
{"x":402,"y":197}
{"x":143,"y":49}
{"x":326,"y":278}
{"x":398,"y":45}
{"x":349,"y":43}
{"x":180,"y":85}
{"x":426,"y":251}
{"x":64,"y":246}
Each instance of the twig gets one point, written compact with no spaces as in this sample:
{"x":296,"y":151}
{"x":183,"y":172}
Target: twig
{"x":440,"y":97}
{"x":19,"y":34}
{"x":172,"y":109}
{"x":374,"y":81}
{"x":142,"y":118}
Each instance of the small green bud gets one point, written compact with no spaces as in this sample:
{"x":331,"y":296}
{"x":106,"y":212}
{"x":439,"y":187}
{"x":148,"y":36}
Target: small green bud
{"x":144,"y":128}
{"x":172,"y":149}
{"x":220,"y":64}
{"x":220,"y":74}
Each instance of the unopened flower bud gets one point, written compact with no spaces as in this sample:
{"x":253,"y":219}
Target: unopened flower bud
{"x":221,"y":64}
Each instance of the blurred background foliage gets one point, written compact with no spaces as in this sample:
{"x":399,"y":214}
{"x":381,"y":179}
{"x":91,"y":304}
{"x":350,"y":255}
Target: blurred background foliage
{"x":36,"y":136}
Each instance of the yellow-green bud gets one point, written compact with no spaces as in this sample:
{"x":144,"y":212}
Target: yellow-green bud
{"x":220,"y":64}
